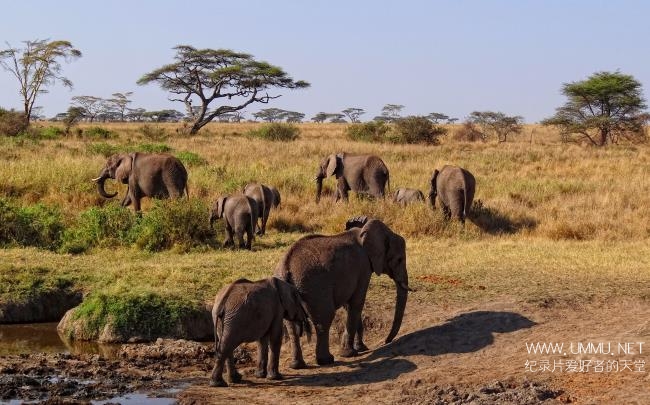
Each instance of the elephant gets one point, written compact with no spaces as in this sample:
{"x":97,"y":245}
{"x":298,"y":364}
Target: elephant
{"x":265,"y":197}
{"x":334,"y":271}
{"x":240,"y":214}
{"x":363,"y":174}
{"x":247,"y":311}
{"x":407,"y":195}
{"x":454,"y":187}
{"x":156,"y":175}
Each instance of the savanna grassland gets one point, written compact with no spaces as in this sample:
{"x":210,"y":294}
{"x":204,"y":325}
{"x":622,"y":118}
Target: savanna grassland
{"x":554,"y":224}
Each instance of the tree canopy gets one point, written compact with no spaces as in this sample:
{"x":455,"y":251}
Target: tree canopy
{"x":496,"y":123}
{"x":602,"y":109}
{"x":205,"y":75}
{"x":37,"y":66}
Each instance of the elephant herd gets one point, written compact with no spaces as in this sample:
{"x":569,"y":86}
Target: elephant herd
{"x":317,"y":275}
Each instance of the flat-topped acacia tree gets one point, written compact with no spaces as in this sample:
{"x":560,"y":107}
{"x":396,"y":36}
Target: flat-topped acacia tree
{"x":205,"y":75}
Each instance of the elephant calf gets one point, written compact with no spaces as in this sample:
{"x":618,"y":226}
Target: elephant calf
{"x":247,"y":311}
{"x":240,"y":215}
{"x":265,"y":197}
{"x":454,"y":187}
{"x":405,"y":196}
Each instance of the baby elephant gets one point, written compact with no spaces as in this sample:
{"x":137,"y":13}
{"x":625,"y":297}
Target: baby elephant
{"x":240,"y":215}
{"x":247,"y":311}
{"x":407,"y":195}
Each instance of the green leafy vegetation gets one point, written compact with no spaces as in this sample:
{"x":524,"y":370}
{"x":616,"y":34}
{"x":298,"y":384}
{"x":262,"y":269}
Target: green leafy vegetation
{"x":29,"y":225}
{"x":276,"y":131}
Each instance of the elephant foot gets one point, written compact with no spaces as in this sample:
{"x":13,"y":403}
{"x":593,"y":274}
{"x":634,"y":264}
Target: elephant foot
{"x":360,"y":347}
{"x":298,"y":364}
{"x":260,"y":373}
{"x":349,"y":352}
{"x":323,"y":361}
{"x":218,"y":383}
{"x":235,"y":378}
{"x":274,"y":375}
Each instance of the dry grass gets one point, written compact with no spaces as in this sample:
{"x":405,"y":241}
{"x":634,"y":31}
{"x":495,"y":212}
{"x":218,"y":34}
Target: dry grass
{"x":553,"y":218}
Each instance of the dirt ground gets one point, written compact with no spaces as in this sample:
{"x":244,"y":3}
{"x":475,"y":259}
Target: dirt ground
{"x":443,"y":354}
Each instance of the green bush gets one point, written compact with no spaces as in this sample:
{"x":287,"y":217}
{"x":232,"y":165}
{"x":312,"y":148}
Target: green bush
{"x":12,"y":122}
{"x":99,"y":226}
{"x":32,"y":225}
{"x":373,"y":131}
{"x":51,"y":133}
{"x":178,"y":224}
{"x":191,"y":158}
{"x":276,"y":131}
{"x":98,"y":132}
{"x":416,"y":130}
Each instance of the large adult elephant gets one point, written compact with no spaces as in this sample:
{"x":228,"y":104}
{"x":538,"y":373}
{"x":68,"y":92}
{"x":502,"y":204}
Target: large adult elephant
{"x":265,"y":197}
{"x":334,"y":271}
{"x":454,"y":187}
{"x":363,"y":174}
{"x":155,"y":175}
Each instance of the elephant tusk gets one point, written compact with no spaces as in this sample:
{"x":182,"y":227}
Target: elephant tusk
{"x":96,"y":180}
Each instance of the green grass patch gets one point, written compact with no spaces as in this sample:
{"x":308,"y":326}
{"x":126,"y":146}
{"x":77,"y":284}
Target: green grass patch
{"x":191,"y":158}
{"x":18,"y":283}
{"x":30,"y":225}
{"x":98,"y":133}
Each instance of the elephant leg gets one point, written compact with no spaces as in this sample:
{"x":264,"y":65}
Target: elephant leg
{"x":298,"y":361}
{"x":351,"y":327}
{"x":136,"y":204}
{"x":217,"y":378}
{"x":446,"y":211}
{"x":265,"y":218}
{"x":240,"y":238}
{"x":126,"y":201}
{"x":229,"y":236}
{"x":262,"y":356}
{"x":250,"y":230}
{"x":341,"y":190}
{"x":233,"y":374}
{"x":359,"y":346}
{"x":275,"y":345}
{"x":323,"y":355}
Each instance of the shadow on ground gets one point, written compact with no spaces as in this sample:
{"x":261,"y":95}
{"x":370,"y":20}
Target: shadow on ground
{"x":493,"y":222}
{"x":464,"y":333}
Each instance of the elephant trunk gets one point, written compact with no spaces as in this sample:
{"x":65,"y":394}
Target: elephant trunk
{"x":100,"y":185}
{"x":400,"y":306}
{"x":319,"y":188}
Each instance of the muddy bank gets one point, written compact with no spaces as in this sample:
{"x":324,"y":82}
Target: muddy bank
{"x":48,"y":306}
{"x":158,"y":369}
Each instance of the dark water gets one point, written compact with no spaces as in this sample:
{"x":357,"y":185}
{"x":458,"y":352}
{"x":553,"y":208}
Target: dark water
{"x":43,"y":337}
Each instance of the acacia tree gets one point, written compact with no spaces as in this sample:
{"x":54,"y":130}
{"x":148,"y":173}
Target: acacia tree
{"x":390,"y":112}
{"x":353,"y":113}
{"x":92,"y":106}
{"x":603,"y":108}
{"x":119,"y":103}
{"x":36,"y":67}
{"x":205,"y":75}
{"x":496,"y":123}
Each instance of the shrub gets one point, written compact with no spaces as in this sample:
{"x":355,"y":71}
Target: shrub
{"x":416,"y":130}
{"x":373,"y":131}
{"x":99,"y":226}
{"x":51,"y":133}
{"x":33,"y":225}
{"x":12,"y":122}
{"x":98,"y":132}
{"x":276,"y":131}
{"x":190,"y":158}
{"x":468,"y":132}
{"x":179,"y":224}
{"x":154,"y":133}
{"x":102,"y":148}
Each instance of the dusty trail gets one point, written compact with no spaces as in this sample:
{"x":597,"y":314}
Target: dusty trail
{"x":474,"y":354}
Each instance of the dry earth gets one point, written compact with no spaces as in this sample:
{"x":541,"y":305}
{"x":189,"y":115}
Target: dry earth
{"x":444,"y":354}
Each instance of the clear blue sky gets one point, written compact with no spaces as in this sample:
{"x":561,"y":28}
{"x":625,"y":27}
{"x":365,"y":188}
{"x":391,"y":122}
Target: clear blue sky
{"x":450,"y":56}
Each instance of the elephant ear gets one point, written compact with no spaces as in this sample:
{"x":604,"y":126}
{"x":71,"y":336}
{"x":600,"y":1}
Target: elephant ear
{"x":123,"y":170}
{"x":221,"y":202}
{"x":333,"y":165}
{"x":374,"y":239}
{"x":287,"y":294}
{"x":356,"y":222}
